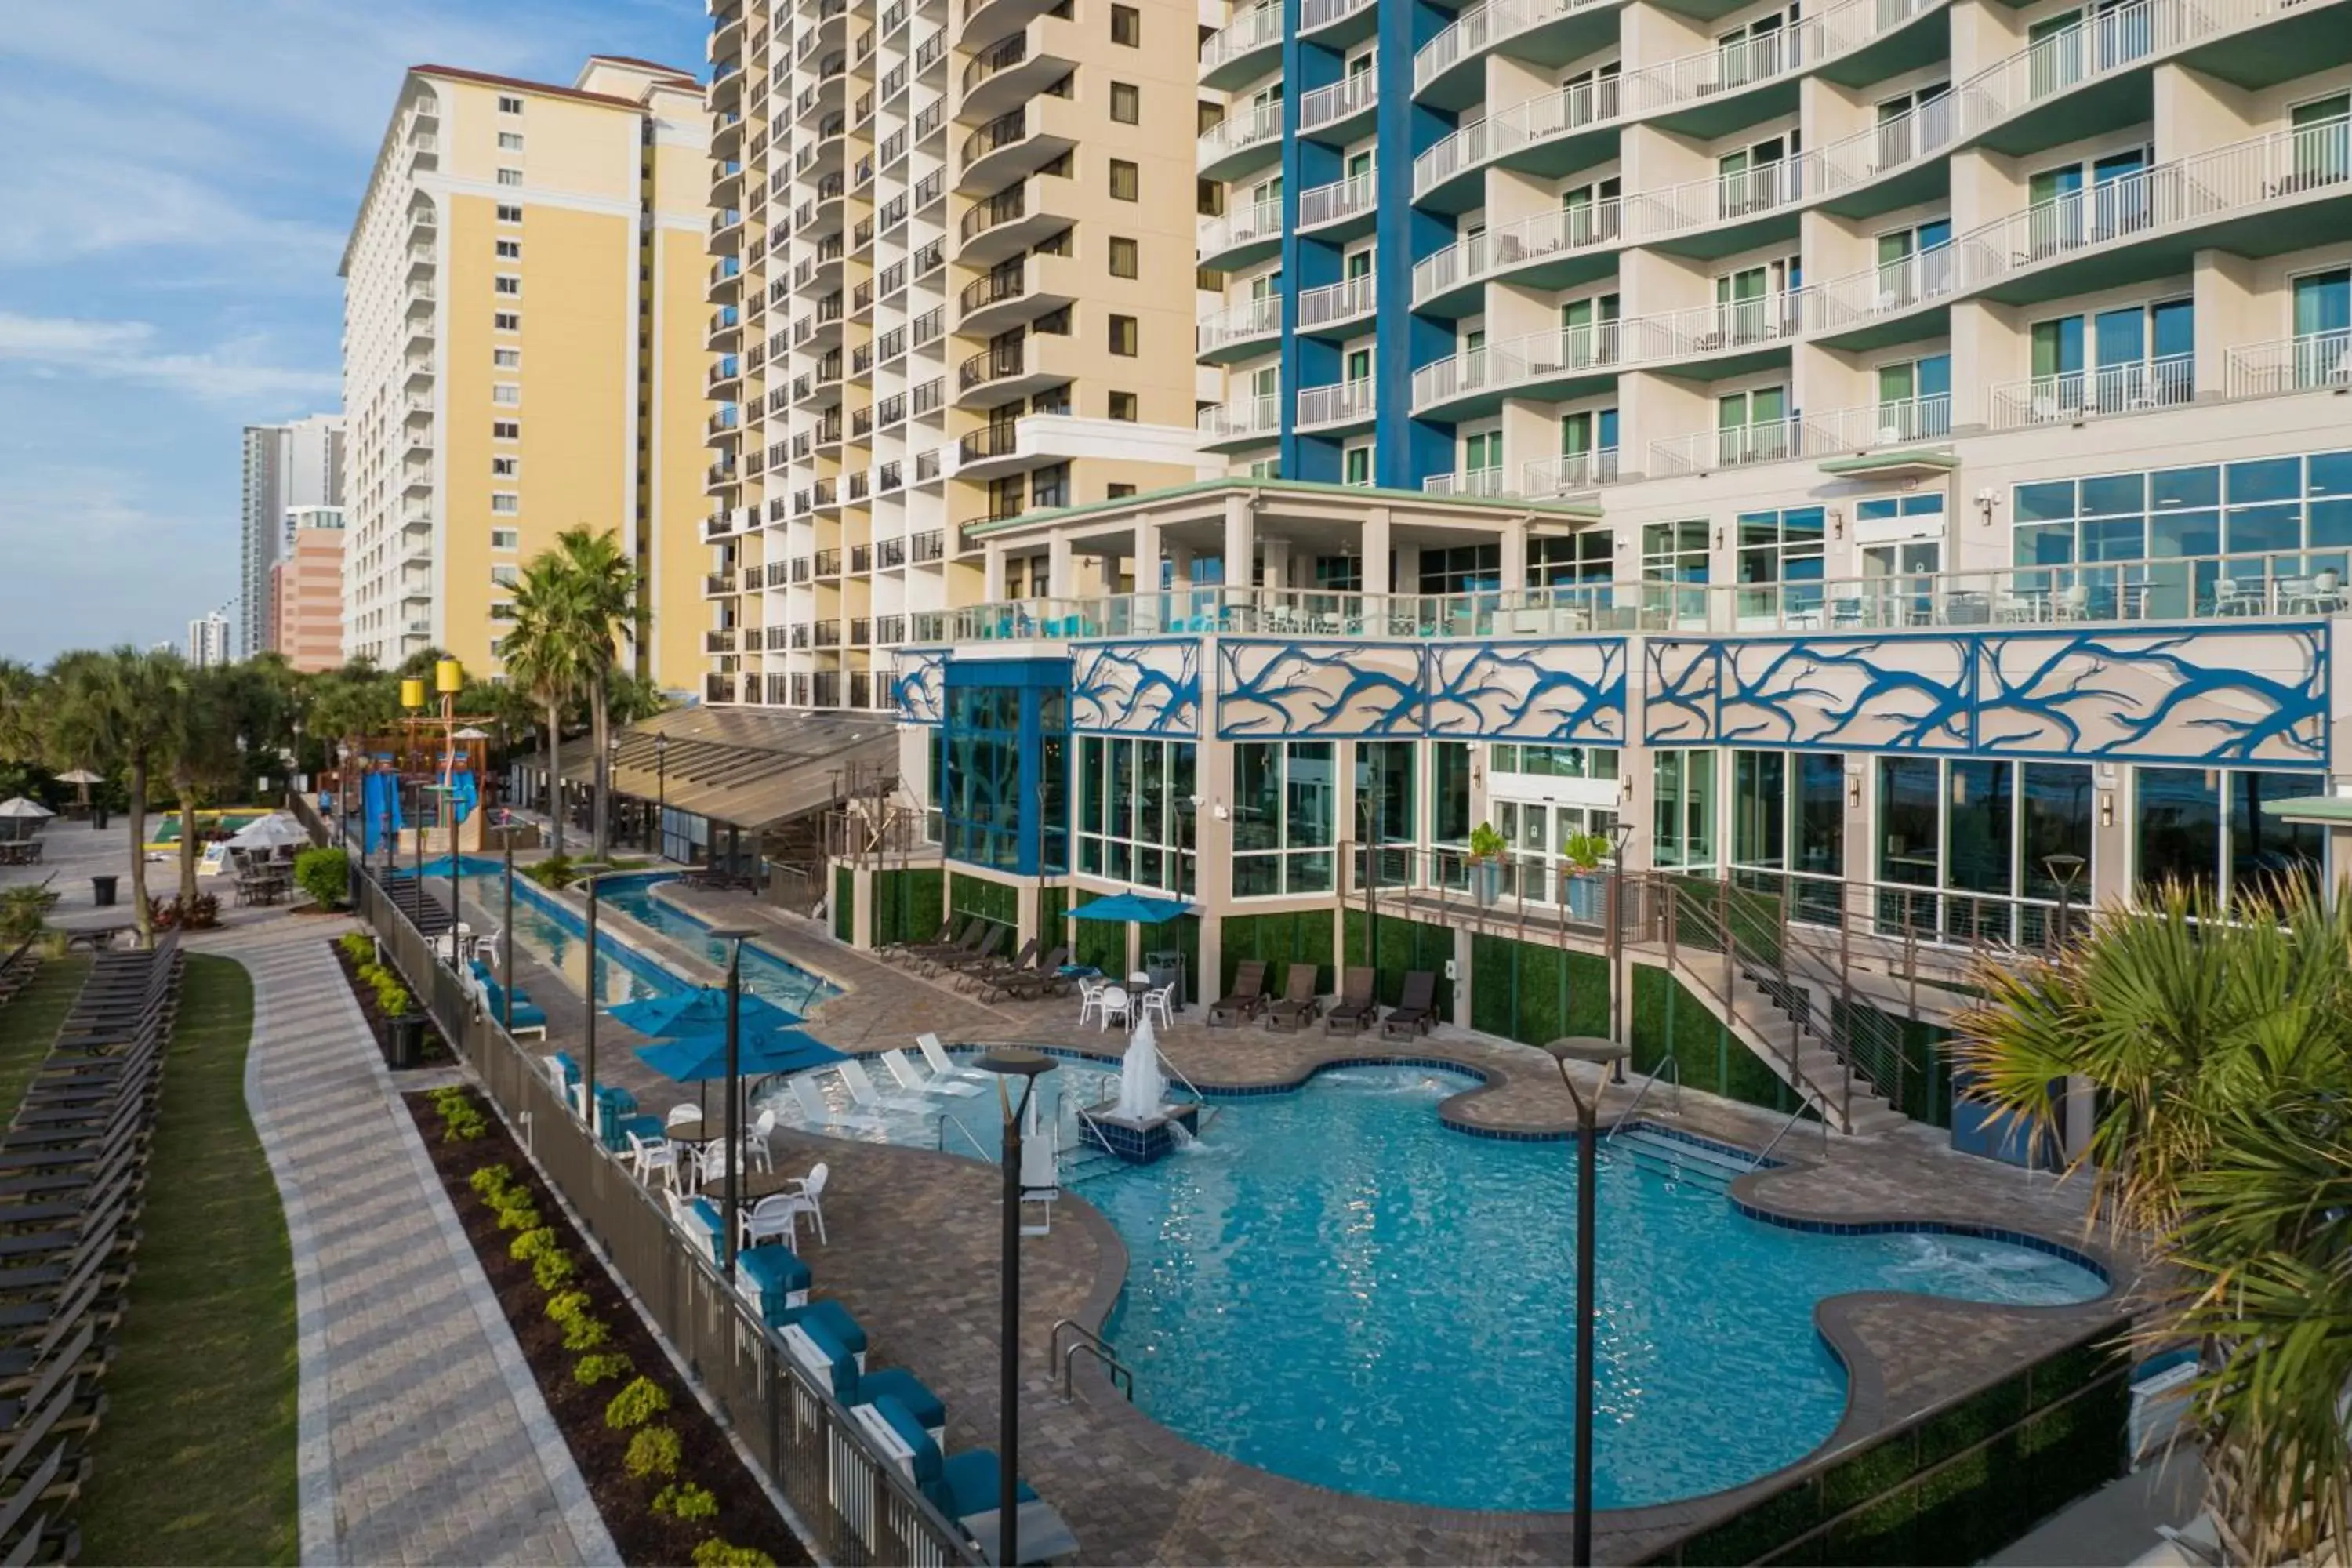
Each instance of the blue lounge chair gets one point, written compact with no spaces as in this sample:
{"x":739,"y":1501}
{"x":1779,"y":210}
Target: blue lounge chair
{"x":774,"y":1280}
{"x":823,"y":1358}
{"x":528,"y":1019}
{"x":962,"y":1488}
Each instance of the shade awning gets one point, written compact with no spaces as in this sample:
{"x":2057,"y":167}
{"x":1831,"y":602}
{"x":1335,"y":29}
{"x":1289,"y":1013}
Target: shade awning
{"x":1135,"y":907}
{"x":743,"y":768}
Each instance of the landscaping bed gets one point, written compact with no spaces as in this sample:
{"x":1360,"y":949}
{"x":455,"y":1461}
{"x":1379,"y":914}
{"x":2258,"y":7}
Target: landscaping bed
{"x":663,"y":1474}
{"x":375,"y":988}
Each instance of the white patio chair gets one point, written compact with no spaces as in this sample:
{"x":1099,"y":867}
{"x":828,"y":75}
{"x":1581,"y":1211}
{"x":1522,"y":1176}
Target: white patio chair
{"x":1113,"y":1004}
{"x":944,"y":1065}
{"x":776,"y":1215}
{"x":1090,"y":994}
{"x":804,"y":1196}
{"x":868,"y":1098}
{"x":647,"y":1158}
{"x":1160,"y":1005}
{"x":681,"y":1114}
{"x":911,"y":1076}
{"x":711,"y":1166}
{"x":756,"y":1148}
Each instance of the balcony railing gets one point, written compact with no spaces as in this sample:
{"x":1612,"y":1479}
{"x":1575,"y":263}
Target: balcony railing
{"x":827,"y":563}
{"x":1314,"y":14}
{"x":1004,"y":208}
{"x":1341,"y":301}
{"x":1477,"y":26}
{"x":1556,"y":233}
{"x":1346,"y":198}
{"x":1733,"y":447}
{"x":1472,"y":482}
{"x":1002,"y":363}
{"x":1242,"y":226}
{"x":2312,"y":362}
{"x":1338,"y":403}
{"x":1253,"y":29}
{"x":889,"y":629}
{"x":1896,"y":423}
{"x":1568,"y":473}
{"x":1349,"y":95}
{"x":719,"y":641}
{"x":1572,"y":108}
{"x":2073,"y":396}
{"x":1671,"y":337}
{"x":997,"y":440}
{"x":889,"y":553}
{"x":930,"y":544}
{"x":1244,"y":420}
{"x":1252,"y":126}
{"x":1257,"y":318}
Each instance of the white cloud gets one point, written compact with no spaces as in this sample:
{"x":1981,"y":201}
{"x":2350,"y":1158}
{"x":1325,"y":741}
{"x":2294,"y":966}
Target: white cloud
{"x":126,"y":351}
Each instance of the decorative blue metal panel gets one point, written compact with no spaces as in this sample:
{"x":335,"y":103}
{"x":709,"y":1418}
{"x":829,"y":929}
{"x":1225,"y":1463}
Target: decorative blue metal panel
{"x":1136,"y":688}
{"x":1334,"y":689}
{"x":1566,"y":692}
{"x":919,"y":684}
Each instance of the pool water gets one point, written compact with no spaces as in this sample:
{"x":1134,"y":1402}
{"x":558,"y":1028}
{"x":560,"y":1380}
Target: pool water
{"x":1335,"y":1287}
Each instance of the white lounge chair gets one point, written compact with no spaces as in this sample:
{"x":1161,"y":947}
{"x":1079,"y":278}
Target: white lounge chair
{"x":812,"y":1106}
{"x":944,"y":1064}
{"x":911,"y":1076}
{"x":868,"y":1098}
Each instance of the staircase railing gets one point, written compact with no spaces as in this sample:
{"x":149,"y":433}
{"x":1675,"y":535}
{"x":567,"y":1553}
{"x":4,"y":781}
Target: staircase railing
{"x":1668,"y":1067}
{"x":1085,"y":1338}
{"x":1869,"y":1042}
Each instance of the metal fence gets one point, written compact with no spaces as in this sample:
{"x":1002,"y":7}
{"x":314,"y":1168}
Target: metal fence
{"x":854,"y":1501}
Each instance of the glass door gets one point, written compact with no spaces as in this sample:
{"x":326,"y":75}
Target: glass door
{"x":2323,"y":326}
{"x":2055,"y":198}
{"x":1740,"y":305}
{"x":2323,"y":154}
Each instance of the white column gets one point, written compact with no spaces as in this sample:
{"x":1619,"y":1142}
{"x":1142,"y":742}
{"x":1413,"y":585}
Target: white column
{"x":992,"y":573}
{"x":1241,"y":541}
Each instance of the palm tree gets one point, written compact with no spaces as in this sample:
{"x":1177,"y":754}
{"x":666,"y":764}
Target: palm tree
{"x":118,"y":709}
{"x":20,"y":695}
{"x":542,"y":656}
{"x":602,"y":599}
{"x":2220,"y":1048}
{"x":204,"y":754}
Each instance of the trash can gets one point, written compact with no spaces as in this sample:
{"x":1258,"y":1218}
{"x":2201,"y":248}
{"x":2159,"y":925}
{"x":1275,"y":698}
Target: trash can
{"x":97,"y":819}
{"x":407,"y":1034}
{"x":101,"y":892}
{"x":1166,"y":968}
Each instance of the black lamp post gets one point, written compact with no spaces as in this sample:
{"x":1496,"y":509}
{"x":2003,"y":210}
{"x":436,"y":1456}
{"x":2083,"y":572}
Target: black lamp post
{"x":661,"y":797}
{"x":506,"y":832}
{"x":1607,"y":1054}
{"x":588,"y":871}
{"x":732,"y":1201}
{"x":1620,"y":833}
{"x":2064,"y":869}
{"x":1010,"y":1063}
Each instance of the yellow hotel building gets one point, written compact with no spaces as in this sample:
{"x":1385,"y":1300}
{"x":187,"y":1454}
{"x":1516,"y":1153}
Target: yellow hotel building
{"x":523,"y":352}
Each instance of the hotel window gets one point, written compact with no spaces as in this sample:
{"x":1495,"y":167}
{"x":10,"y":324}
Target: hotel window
{"x":508,"y":284}
{"x":2112,"y":361}
{"x":1135,"y":813}
{"x":510,"y":105}
{"x":506,"y":359}
{"x":1115,"y":490}
{"x":510,"y":140}
{"x":1788,"y":827}
{"x":1126,"y":103}
{"x":1127,"y":27}
{"x":505,"y":430}
{"x":1780,"y":564}
{"x":1554,"y":762}
{"x":1914,"y":398}
{"x":1123,"y":406}
{"x":1564,"y":559}
{"x":502,"y":610}
{"x":506,"y":394}
{"x":1752,"y":426}
{"x":1463,"y":569}
{"x":1985,"y":828}
{"x":1123,"y":336}
{"x":510,"y":214}
{"x":1357,"y":466}
{"x":511,"y":176}
{"x":2206,"y":827}
{"x":1126,"y":180}
{"x":504,"y":468}
{"x":505,"y":502}
{"x":1126,"y":257}
{"x":1385,"y":811}
{"x":506,"y":539}
{"x":1285,"y":811}
{"x":506,"y":577}
{"x":1676,"y":568}
{"x":506,"y":322}
{"x":2323,"y":327}
{"x":509,"y":249}
{"x":1683,"y":831}
{"x":1449,"y":793}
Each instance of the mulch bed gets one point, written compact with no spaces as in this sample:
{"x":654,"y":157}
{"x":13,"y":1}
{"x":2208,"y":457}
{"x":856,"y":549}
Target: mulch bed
{"x":436,"y":1052}
{"x":745,"y":1518}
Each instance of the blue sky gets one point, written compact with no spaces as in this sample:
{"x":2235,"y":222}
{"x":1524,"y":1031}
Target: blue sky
{"x":179,"y":178}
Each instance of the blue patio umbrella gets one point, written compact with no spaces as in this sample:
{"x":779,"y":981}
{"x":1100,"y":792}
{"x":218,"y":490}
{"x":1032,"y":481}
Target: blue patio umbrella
{"x":1135,"y":907}
{"x":702,"y":1057}
{"x":702,"y":1010}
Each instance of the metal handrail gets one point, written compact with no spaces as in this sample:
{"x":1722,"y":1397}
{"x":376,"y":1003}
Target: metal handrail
{"x":947,"y":1121}
{"x":1793,"y":1117}
{"x":1083,"y":1338}
{"x":1668,"y":1064}
{"x":1208,"y":1110}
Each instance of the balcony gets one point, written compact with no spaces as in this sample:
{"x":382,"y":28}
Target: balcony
{"x":2315,"y":362}
{"x":1240,"y":424}
{"x":982,"y":22}
{"x":1017,"y":143}
{"x":2075,"y":397}
{"x":718,"y":582}
{"x":1012,"y":72}
{"x":1339,"y":211}
{"x":827,"y":563}
{"x":1479,"y":483}
{"x":1239,"y":330}
{"x":927,"y":546}
{"x":719,"y":641}
{"x":1342,"y":112}
{"x":1002,"y":226}
{"x":1015,"y":370}
{"x":725,"y":322}
{"x":1571,"y":361}
{"x":725,"y":372}
{"x":726,"y":275}
{"x":889,"y":629}
{"x":1569,"y":473}
{"x":1878,"y":426}
{"x":1245,"y":234}
{"x":1012,"y":446}
{"x":889,"y":554}
{"x":1336,"y":304}
{"x":421,"y":296}
{"x":861,"y":559}
{"x":1248,"y":139}
{"x":1340,"y":406}
{"x":1249,"y":45}
{"x":1016,"y":292}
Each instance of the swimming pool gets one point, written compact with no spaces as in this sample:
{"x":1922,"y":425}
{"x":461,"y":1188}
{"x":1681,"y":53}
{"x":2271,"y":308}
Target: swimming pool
{"x":1335,"y":1287}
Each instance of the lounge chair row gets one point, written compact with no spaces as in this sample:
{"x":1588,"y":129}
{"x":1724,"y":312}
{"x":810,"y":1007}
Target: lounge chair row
{"x":1353,"y":1012}
{"x":73,"y":1167}
{"x":18,"y":969}
{"x":490,"y":1000}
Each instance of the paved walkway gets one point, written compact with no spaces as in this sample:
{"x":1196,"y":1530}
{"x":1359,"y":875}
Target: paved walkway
{"x":424,"y":1439}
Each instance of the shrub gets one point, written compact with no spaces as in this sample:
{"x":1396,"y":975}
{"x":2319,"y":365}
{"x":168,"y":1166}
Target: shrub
{"x":684,"y":1500}
{"x":358,"y":948}
{"x":554,"y":872}
{"x":592,"y":1370}
{"x":461,"y":1119}
{"x":203,"y":913}
{"x":567,"y":1305}
{"x":517,"y":1213}
{"x":584,"y":1332}
{"x":21,"y":914}
{"x":324,"y":873}
{"x":532,"y":1244}
{"x":653,"y":1454}
{"x":637,"y":1403}
{"x":491,"y":1183}
{"x":717,"y":1553}
{"x":552,"y":1271}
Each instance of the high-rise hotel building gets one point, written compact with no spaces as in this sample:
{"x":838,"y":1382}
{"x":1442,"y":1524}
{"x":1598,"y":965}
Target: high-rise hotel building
{"x":523,"y":352}
{"x":952,"y":280}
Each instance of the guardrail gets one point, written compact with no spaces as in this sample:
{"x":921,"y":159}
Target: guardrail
{"x":854,"y":1500}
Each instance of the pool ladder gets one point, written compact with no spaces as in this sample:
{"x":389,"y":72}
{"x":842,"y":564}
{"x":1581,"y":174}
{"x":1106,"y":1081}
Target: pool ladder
{"x":1083,"y":1338}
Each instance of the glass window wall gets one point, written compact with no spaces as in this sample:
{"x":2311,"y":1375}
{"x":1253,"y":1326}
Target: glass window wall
{"x":1683,"y":825}
{"x":1135,"y":812}
{"x":1973,"y":826}
{"x":1285,"y":811}
{"x":2206,"y":827}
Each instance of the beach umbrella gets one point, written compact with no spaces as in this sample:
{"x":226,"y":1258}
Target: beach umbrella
{"x":697,"y":1012}
{"x":702,"y":1058}
{"x":272,"y":832}
{"x":82,"y":779}
{"x":18,"y":806}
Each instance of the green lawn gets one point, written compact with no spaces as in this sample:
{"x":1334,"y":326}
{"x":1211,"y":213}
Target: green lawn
{"x":28,"y":1024}
{"x":194,"y":1462}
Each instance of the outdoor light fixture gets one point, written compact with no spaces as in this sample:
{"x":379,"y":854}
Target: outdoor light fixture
{"x":588,"y":871}
{"x":1011,"y":1064}
{"x":2064,"y":869}
{"x":1604,"y":1054}
{"x":734,"y":937}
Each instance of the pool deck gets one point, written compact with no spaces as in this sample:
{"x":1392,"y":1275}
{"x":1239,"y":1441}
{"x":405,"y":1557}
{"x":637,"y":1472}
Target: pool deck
{"x":914,"y":1257}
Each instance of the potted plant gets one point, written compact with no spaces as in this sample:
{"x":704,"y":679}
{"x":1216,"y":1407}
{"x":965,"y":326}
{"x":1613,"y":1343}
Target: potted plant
{"x":1586,"y":889}
{"x":1486,"y":851}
